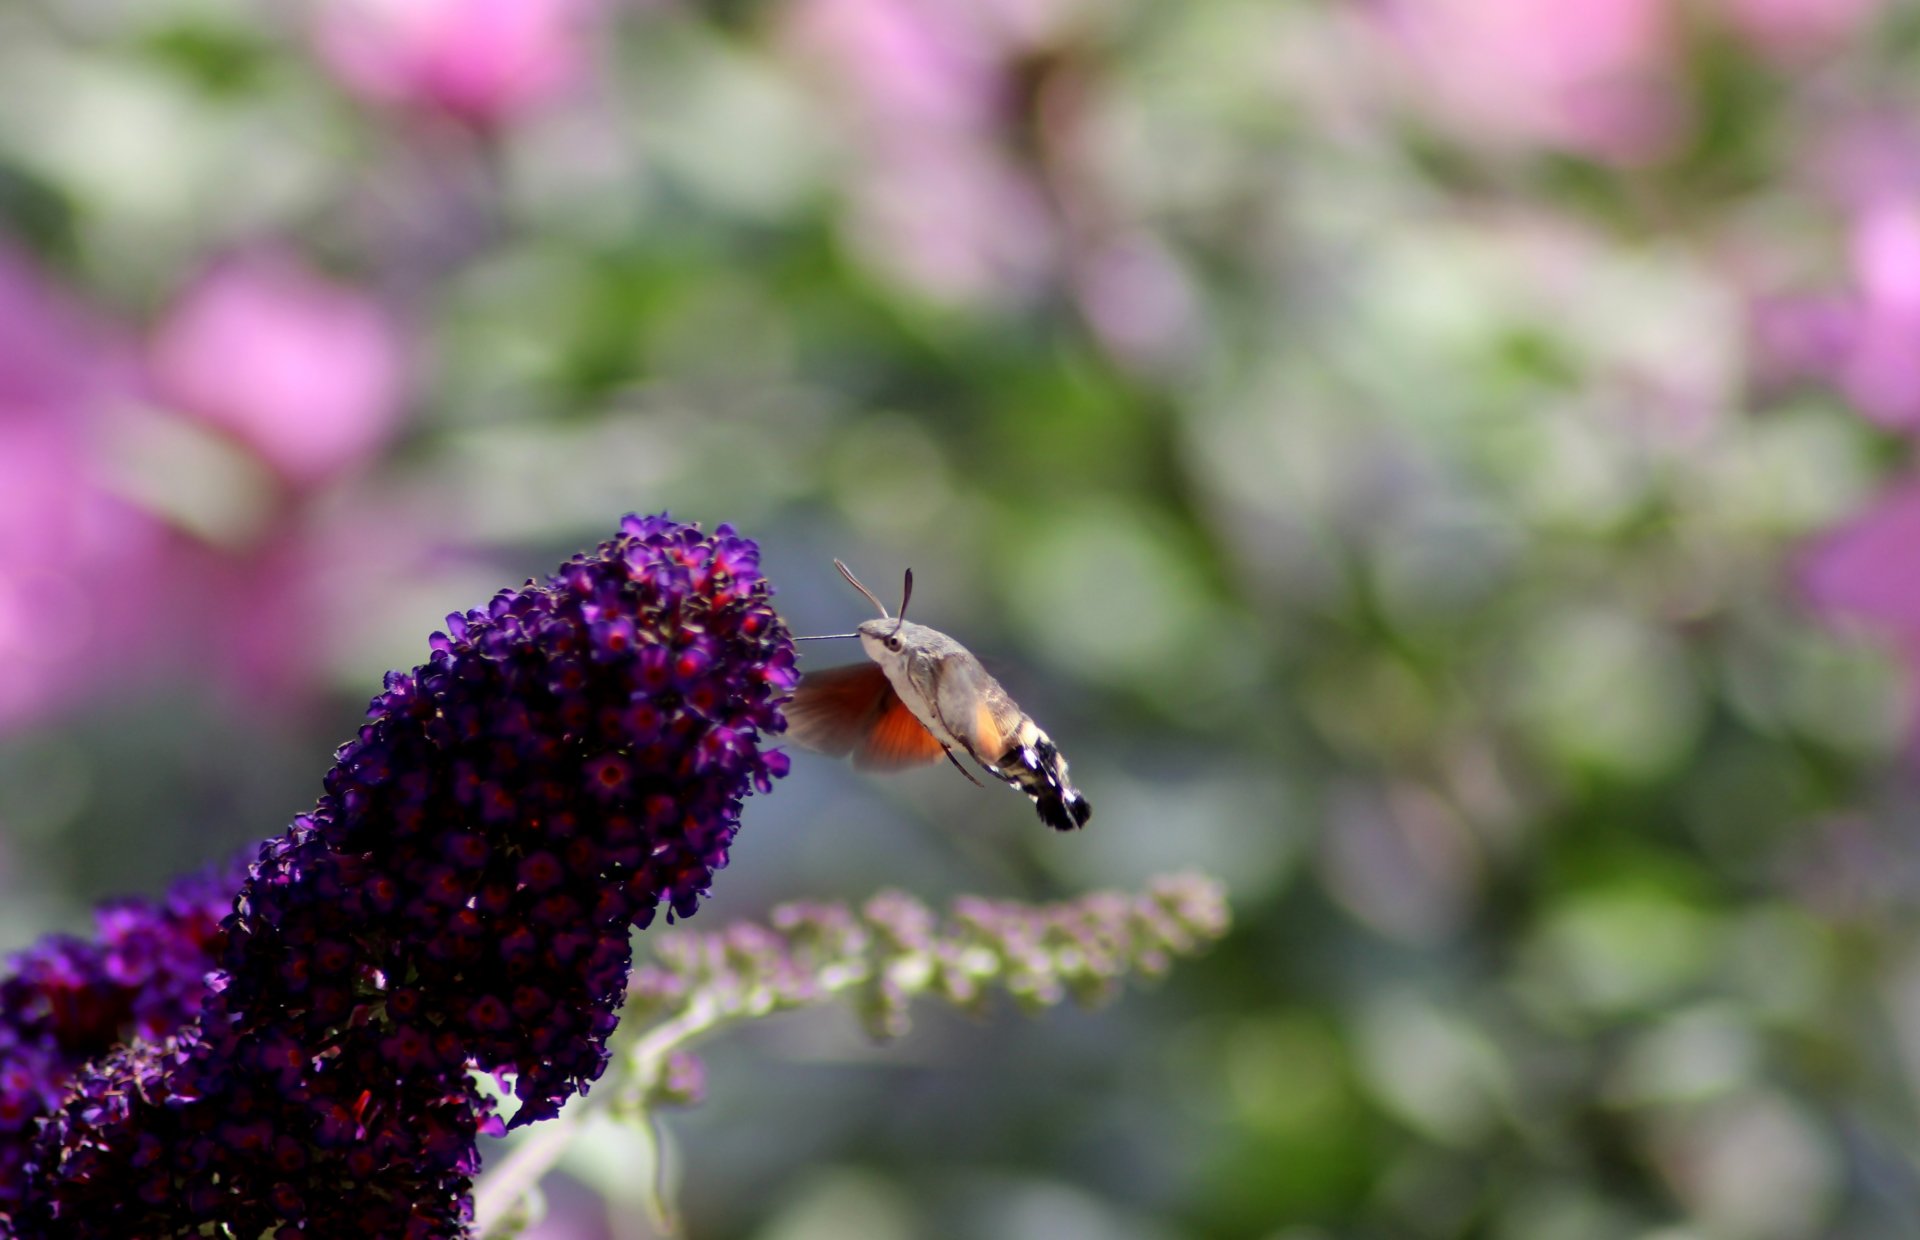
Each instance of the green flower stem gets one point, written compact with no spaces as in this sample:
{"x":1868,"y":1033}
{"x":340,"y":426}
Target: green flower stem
{"x":502,"y":1189}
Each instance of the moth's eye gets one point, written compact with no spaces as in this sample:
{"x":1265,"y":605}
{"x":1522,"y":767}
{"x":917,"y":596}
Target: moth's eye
{"x":893,"y":643}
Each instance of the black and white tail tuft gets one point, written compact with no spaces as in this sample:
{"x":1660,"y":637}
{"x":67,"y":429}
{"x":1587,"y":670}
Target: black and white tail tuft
{"x":1035,"y":767}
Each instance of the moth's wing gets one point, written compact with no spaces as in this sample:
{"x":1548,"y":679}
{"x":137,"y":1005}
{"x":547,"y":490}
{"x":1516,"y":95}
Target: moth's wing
{"x":896,"y":739}
{"x":833,"y":708}
{"x":974,"y":708}
{"x":854,"y":710}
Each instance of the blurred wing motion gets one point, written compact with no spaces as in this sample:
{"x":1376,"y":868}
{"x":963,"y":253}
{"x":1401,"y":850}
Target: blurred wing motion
{"x":854,"y":710}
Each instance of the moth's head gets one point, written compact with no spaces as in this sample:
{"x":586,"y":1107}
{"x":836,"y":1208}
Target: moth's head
{"x":888,"y":638}
{"x":878,"y":639}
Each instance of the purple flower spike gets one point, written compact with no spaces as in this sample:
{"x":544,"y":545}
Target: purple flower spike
{"x":70,"y":1000}
{"x":460,"y":899}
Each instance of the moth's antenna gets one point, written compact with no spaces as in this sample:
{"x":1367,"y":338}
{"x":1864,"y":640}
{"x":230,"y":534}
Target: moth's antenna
{"x":855,"y":583}
{"x":906,"y":593}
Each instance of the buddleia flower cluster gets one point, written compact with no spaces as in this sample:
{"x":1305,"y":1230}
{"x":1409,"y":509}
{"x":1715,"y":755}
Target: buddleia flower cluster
{"x":69,"y":1000}
{"x":569,"y":758}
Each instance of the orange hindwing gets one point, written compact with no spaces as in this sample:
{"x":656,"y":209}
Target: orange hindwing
{"x":854,"y":710}
{"x":896,"y":739}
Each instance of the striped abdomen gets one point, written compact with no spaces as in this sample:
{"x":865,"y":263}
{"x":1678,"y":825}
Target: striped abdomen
{"x":1034,"y":766}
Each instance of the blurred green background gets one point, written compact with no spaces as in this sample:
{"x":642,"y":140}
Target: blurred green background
{"x":1441,"y":466}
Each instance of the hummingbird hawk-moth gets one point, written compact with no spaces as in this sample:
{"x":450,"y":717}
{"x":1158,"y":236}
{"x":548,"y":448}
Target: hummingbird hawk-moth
{"x":922,"y":696}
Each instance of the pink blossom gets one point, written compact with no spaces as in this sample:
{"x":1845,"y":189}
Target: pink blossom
{"x":305,"y":371}
{"x":1138,"y":299}
{"x":926,"y":89}
{"x":1886,"y":256}
{"x":93,"y":585}
{"x":70,"y":548}
{"x":274,"y":619}
{"x":1791,"y":30}
{"x":1862,"y":157}
{"x":1881,"y":372}
{"x":1869,"y":568}
{"x":954,"y":221}
{"x":1596,"y":77}
{"x":1866,"y":342}
{"x":1801,"y":337}
{"x":905,"y":64}
{"x":482,"y":62}
{"x":1868,"y":571}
